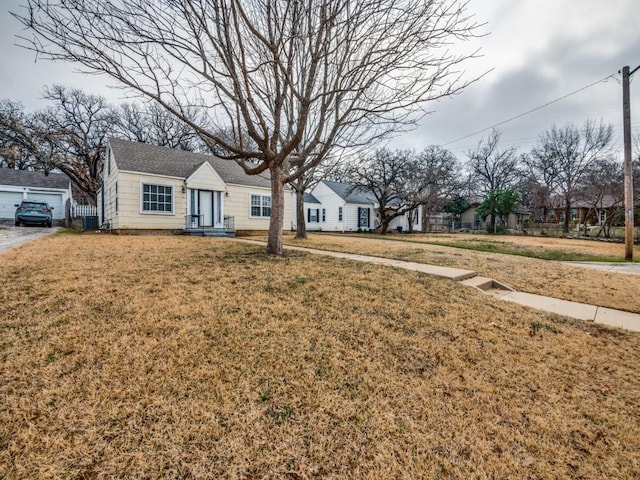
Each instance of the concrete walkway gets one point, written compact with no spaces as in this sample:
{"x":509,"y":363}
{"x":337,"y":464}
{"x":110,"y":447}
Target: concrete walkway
{"x":580,"y":311}
{"x":616,"y":267}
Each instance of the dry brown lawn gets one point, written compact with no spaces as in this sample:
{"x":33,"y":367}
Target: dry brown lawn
{"x":543,"y":277}
{"x":193,"y":358}
{"x":569,"y":245}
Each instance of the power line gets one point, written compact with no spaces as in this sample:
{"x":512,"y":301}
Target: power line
{"x":531,"y":111}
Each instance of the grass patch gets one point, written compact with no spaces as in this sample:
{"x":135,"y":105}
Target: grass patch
{"x":67,"y":231}
{"x":532,"y":275}
{"x":163,"y":357}
{"x":539,"y":248}
{"x":513,"y":249}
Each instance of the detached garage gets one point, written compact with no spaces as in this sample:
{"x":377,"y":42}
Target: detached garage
{"x":19,"y":185}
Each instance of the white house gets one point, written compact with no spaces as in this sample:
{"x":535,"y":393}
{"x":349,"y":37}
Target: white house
{"x":146,"y":187}
{"x":338,"y":207}
{"x":313,"y":211}
{"x":19,"y":185}
{"x":341,"y":207}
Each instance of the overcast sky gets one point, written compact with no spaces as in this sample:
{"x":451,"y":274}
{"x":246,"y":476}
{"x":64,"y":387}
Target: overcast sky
{"x":537,"y":51}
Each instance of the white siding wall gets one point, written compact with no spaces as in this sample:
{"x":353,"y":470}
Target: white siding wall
{"x":351,"y":220}
{"x":331,"y":201}
{"x":238,"y":205}
{"x":130,"y":216}
{"x":403,"y":221}
{"x":313,"y":226}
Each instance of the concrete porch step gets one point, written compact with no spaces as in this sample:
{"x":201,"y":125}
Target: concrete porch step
{"x":210,"y":232}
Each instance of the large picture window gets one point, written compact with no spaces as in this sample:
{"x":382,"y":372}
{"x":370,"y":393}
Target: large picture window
{"x":157,"y":198}
{"x":260,"y":205}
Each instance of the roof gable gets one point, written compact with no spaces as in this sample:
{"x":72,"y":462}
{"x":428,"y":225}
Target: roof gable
{"x":205,"y":177}
{"x":308,"y":198}
{"x":26,"y":178}
{"x":143,"y":158}
{"x":349,"y":193}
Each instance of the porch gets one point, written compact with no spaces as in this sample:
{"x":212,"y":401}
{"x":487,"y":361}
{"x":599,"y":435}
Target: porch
{"x":195,"y":225}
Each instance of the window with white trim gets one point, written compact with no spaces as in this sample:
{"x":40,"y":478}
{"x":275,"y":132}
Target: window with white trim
{"x":157,"y":198}
{"x":116,"y":199}
{"x":324,"y":214}
{"x":339,"y":214}
{"x":260,"y":205}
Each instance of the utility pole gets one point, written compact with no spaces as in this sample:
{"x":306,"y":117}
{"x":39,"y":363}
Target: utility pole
{"x":628,"y":170}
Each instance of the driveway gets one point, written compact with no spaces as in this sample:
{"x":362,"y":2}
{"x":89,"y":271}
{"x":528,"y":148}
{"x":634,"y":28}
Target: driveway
{"x":11,"y":236}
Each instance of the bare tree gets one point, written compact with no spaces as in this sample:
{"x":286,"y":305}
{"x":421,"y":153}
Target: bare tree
{"x":153,"y":124}
{"x":437,"y":176}
{"x":384,"y":176}
{"x":494,"y":168}
{"x":336,"y":73}
{"x":602,"y":189}
{"x":18,"y":139}
{"x":70,"y":135}
{"x":563,"y":155}
{"x":76,"y":128}
{"x":305,"y":182}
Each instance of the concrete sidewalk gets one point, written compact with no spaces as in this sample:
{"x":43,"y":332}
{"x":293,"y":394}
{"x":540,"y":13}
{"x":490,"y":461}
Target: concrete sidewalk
{"x":616,"y":267}
{"x":580,"y":311}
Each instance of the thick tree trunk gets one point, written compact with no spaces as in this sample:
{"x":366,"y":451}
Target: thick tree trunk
{"x":301,"y":226}
{"x":410,"y":215}
{"x":274,"y":241}
{"x":425,"y":220}
{"x":567,"y":215}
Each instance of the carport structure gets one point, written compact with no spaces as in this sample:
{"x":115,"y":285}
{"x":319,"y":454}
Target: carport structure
{"x":19,"y":185}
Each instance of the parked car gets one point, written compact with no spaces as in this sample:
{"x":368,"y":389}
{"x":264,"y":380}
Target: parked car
{"x":34,"y":212}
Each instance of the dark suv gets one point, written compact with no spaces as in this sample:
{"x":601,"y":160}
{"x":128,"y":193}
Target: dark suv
{"x":34,"y":212}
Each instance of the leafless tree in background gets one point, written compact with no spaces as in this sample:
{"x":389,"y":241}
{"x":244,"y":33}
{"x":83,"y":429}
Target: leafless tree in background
{"x":563,"y":156}
{"x":153,"y":124}
{"x":18,"y":137}
{"x":437,"y":176}
{"x":76,"y":128}
{"x":494,"y":168}
{"x":70,"y":135}
{"x":337,"y":73}
{"x":602,"y":189}
{"x":384,"y":176}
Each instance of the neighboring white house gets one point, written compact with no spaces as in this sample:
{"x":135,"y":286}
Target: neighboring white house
{"x":338,"y":207}
{"x":341,"y":207}
{"x":19,"y":185}
{"x":146,"y":187}
{"x":313,"y":213}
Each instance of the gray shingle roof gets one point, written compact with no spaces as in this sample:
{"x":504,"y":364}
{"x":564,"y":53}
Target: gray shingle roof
{"x":349,"y":194}
{"x":308,"y":198}
{"x":24,"y":178}
{"x":143,"y":158}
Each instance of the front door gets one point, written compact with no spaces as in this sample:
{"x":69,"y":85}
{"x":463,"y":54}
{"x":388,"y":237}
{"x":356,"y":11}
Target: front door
{"x":205,"y":204}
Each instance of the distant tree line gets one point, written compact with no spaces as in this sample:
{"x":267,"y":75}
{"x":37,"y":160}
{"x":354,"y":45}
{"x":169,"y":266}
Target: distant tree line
{"x":568,"y":163}
{"x":71,"y":133}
